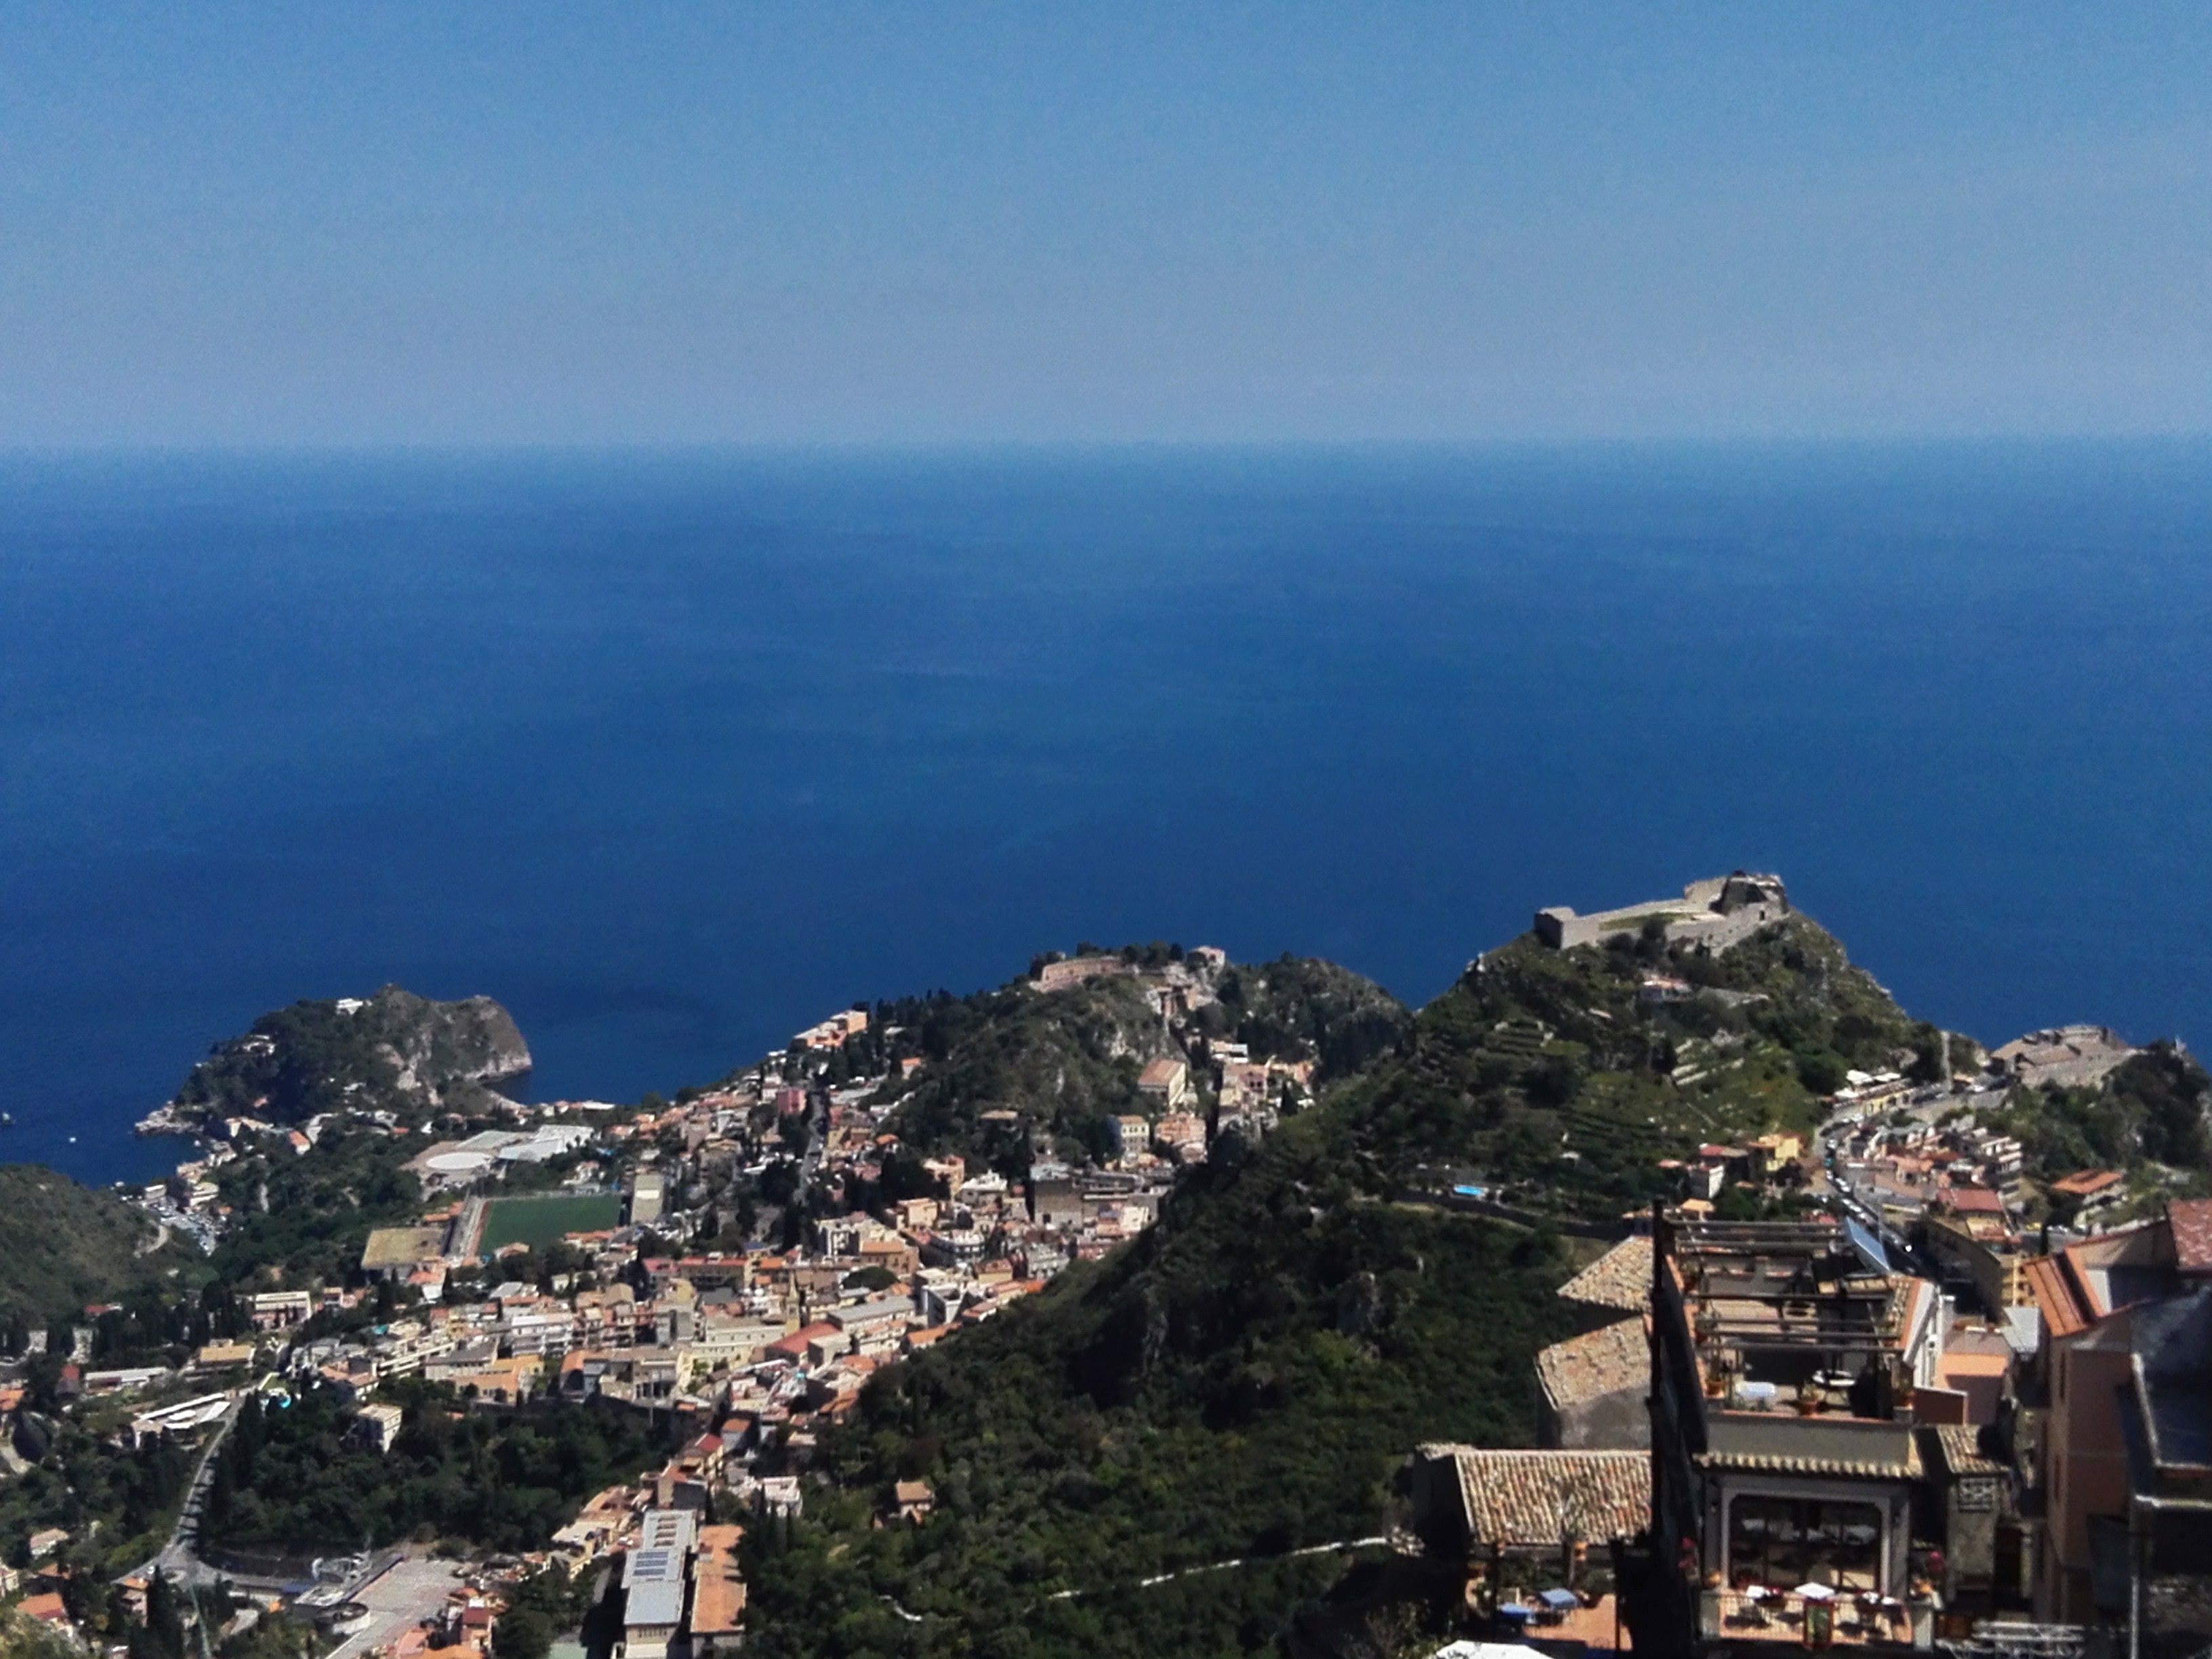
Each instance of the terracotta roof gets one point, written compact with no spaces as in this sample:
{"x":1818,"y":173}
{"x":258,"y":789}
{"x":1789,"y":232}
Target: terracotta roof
{"x":1776,"y":1463}
{"x":2084,"y":1183}
{"x":1961,"y":1447}
{"x":1971,"y":1200}
{"x":2191,"y":1222}
{"x":718,"y":1593}
{"x":2063,"y":1312}
{"x":1591,"y":1366}
{"x":1621,"y":1277}
{"x":1523,"y":1497}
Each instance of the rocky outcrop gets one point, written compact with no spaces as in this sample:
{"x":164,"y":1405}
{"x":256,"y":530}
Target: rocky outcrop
{"x":394,"y":1051}
{"x":434,"y":1045}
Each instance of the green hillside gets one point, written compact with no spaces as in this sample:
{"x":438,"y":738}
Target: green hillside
{"x":394,"y":1051}
{"x":1245,"y":1380}
{"x":1543,"y":1074}
{"x":1064,"y":1062}
{"x":1300,"y":1007}
{"x":64,"y":1246}
{"x":1242,"y":1382}
{"x":2151,"y":1117}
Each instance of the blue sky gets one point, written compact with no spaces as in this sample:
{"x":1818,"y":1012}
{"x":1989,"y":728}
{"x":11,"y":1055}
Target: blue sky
{"x":816,"y":223}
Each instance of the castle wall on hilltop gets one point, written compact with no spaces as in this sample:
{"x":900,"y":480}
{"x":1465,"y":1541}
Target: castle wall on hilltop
{"x":1713,"y":914}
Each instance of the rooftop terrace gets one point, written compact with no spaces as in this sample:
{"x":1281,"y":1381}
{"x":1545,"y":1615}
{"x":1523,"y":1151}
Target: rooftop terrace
{"x":1797,"y":1317}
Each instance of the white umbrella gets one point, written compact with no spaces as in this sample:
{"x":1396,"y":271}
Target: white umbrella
{"x":1815,"y":1592}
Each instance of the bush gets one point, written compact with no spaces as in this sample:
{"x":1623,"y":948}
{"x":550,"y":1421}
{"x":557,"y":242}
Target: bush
{"x":1821,"y":1071}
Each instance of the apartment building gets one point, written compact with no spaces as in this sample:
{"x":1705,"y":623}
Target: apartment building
{"x":2127,"y":1435}
{"x":1785,"y":1467}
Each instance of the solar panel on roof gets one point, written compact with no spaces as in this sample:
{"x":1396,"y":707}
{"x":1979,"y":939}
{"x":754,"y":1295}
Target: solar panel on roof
{"x":1869,"y":1248}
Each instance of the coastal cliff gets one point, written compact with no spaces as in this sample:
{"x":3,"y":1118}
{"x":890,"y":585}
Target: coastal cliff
{"x":393,"y":1052}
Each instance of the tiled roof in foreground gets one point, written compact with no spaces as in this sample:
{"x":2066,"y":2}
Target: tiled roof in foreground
{"x":1621,"y":1277}
{"x":1602,"y":1362}
{"x":1536,"y":1497}
{"x":1961,"y":1446}
{"x":2190,"y":1218}
{"x":2062,"y":1311}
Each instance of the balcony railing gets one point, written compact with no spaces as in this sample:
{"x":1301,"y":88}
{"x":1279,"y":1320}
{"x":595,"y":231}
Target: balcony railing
{"x":1781,"y":1616}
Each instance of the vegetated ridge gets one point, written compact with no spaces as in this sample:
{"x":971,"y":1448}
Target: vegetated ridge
{"x":394,"y":1051}
{"x":1054,"y":1068}
{"x":1245,"y":1380}
{"x":1560,"y":1080}
{"x":64,"y":1247}
{"x":2150,"y":1116}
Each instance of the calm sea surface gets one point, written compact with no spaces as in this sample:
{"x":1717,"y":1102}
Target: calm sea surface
{"x":674,"y":754}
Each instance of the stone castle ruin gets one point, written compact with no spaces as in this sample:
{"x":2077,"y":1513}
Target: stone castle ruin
{"x":1711,"y":914}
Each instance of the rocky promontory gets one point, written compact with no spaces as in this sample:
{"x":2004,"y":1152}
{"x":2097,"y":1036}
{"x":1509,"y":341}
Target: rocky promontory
{"x":394,"y":1052}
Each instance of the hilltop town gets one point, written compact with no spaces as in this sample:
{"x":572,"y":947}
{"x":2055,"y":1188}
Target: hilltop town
{"x":1691,"y":1291}
{"x":731,"y":1267}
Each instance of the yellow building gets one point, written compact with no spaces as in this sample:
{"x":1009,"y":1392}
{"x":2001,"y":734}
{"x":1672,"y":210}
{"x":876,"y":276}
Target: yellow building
{"x":1776,"y":1151}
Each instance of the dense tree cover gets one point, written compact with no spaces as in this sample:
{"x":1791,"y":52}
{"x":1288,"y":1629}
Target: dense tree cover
{"x":176,"y":1616}
{"x":64,"y":1247}
{"x":1066,"y":1061}
{"x":303,"y":1220}
{"x":2151,"y":1109}
{"x":1245,"y":1379}
{"x":22,"y":1637}
{"x":288,"y":1476}
{"x":394,"y":1051}
{"x":1543,"y":1072}
{"x":1300,"y":1007}
{"x":807,"y":1596}
{"x":2164,"y":1094}
{"x":1058,"y":1059}
{"x":292,"y":1063}
{"x":162,"y":1327}
{"x":115,"y":1503}
{"x":546,"y":1605}
{"x":1242,"y":1382}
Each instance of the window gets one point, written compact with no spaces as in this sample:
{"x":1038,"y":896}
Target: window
{"x":1785,"y":1541}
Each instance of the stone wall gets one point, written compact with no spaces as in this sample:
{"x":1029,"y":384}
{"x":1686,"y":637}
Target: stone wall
{"x":1713,"y":914}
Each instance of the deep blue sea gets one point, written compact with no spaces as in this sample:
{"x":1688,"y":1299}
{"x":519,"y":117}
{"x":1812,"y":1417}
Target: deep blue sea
{"x":675,"y":753}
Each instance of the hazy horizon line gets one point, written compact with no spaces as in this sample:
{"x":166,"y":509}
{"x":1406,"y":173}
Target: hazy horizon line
{"x":491,"y":448}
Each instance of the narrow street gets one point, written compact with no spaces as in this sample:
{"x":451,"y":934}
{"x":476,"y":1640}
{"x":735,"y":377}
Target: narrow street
{"x":180,"y":1557}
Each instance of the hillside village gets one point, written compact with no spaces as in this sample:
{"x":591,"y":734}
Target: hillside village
{"x":736,"y":1358}
{"x":1847,"y":1375}
{"x":1879,"y":1387}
